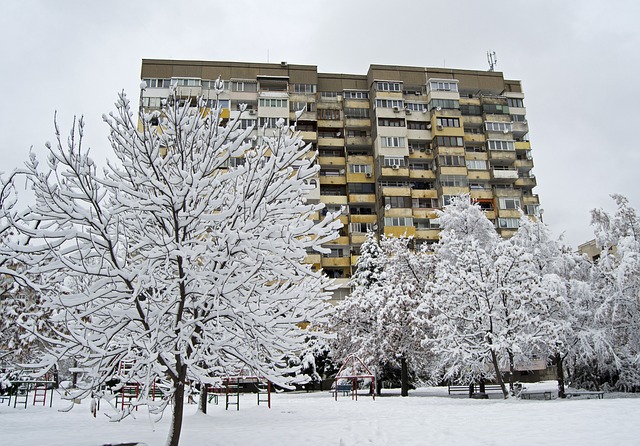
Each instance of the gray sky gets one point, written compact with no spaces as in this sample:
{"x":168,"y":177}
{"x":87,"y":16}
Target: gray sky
{"x":578,"y":63}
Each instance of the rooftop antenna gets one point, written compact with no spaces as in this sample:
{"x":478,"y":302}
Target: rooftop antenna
{"x":492,"y":59}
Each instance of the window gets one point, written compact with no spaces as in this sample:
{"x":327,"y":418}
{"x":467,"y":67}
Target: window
{"x":454,"y":181}
{"x":303,"y":88}
{"x":356,"y":113}
{"x":518,"y":118}
{"x":420,"y":165}
{"x":444,"y":103}
{"x":508,"y":223}
{"x":397,"y":202}
{"x":295,"y":106}
{"x":157,"y":83}
{"x":476,"y":164}
{"x":416,"y":125}
{"x":362,"y":188}
{"x":271,"y":102}
{"x":509,"y":203}
{"x":329,"y":94}
{"x":428,"y":223}
{"x":152,"y":102}
{"x":235,"y":162}
{"x":495,"y":109}
{"x":478,"y":186}
{"x":496,"y":144}
{"x":355,"y":94}
{"x":391,"y":161}
{"x":451,"y":160}
{"x":271,"y":123}
{"x":186,"y":82}
{"x":359,"y":168}
{"x":389,"y":103}
{"x":423,"y":185}
{"x":392,"y":141}
{"x":247,"y":86}
{"x":211,"y":85}
{"x":442,"y":85}
{"x":449,"y":141}
{"x":327,"y":114}
{"x":360,"y":210}
{"x":222,"y":103}
{"x":398,"y":221}
{"x":448,"y":122}
{"x":388,"y":86}
{"x":424,"y":203}
{"x":415,"y":106}
{"x":532,"y":209}
{"x":471,"y":110}
{"x":515,"y":102}
{"x":246,"y":123}
{"x":391,"y":122}
{"x":446,"y":199}
{"x":357,"y":133}
{"x":361,"y":227}
{"x":418,"y":145}
{"x":498,"y":126}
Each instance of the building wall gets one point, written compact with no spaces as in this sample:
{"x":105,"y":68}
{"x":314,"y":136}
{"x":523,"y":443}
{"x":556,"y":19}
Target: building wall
{"x":394,"y":144}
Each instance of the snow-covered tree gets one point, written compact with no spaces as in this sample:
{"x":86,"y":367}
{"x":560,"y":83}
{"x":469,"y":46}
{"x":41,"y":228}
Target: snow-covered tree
{"x":378,"y":321}
{"x":181,"y":266}
{"x":462,"y":300}
{"x":618,"y":284}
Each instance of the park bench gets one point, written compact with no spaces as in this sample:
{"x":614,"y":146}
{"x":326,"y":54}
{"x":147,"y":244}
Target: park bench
{"x":345,"y":389}
{"x":526,"y":395}
{"x":588,"y":393}
{"x":476,"y":389}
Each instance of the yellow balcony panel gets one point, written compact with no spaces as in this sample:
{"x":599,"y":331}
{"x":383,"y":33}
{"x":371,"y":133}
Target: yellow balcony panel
{"x":360,"y":177}
{"x":479,"y":175}
{"x":446,"y":111}
{"x":332,"y":161}
{"x":395,"y":172}
{"x":379,"y":94}
{"x":354,"y":260}
{"x":524,"y":164}
{"x":344,"y":219}
{"x":309,"y":136}
{"x":357,"y":122}
{"x":483,"y":194}
{"x":526,"y":182}
{"x":358,"y":238}
{"x":454,"y":190}
{"x":398,"y":212}
{"x":450,"y":151}
{"x":305,"y":116}
{"x":428,"y":234}
{"x":474,"y":137}
{"x":328,"y":262}
{"x":530,"y":199}
{"x":329,"y":105}
{"x":424,"y":213}
{"x":424,"y":193}
{"x":449,"y":170}
{"x":358,"y":140}
{"x":333,"y":199}
{"x":343,"y":240}
{"x":477,"y":156}
{"x":399,"y":231}
{"x":313,"y":259}
{"x":447,"y":131}
{"x":472,"y":121}
{"x":502,"y":156}
{"x":422,"y":174}
{"x":360,"y":159}
{"x":330,"y":123}
{"x":315,"y":215}
{"x":491,"y":215}
{"x":507,"y":233}
{"x":523,"y":145}
{"x":508,"y":213}
{"x":362,"y":198}
{"x":390,"y":191}
{"x":355,"y":218}
{"x":330,"y":142}
{"x":330,"y":179}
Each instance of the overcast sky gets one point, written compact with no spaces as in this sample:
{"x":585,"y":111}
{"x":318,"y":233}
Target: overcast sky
{"x":578,"y":62}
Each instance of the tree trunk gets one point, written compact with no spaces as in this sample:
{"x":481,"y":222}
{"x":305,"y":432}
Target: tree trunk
{"x":496,"y":369}
{"x":379,"y":387}
{"x":560,"y":374}
{"x":511,"y":371}
{"x":202,"y":402}
{"x":404,"y":377}
{"x":176,"y":419}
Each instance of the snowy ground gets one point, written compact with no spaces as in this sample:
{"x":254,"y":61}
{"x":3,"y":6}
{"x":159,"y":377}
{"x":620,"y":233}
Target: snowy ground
{"x":426,"y":417}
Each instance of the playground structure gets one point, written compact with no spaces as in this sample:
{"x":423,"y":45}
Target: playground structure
{"x":232,"y":386}
{"x":351,"y":374}
{"x":130,"y":390}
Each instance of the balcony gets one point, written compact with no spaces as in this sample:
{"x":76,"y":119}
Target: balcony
{"x":396,"y":171}
{"x":333,"y":199}
{"x":504,"y":175}
{"x":399,"y":231}
{"x":359,"y":141}
{"x":332,"y":180}
{"x":396,"y":191}
{"x":427,"y":234}
{"x":358,"y":238}
{"x":332,"y":161}
{"x":329,"y":262}
{"x":502,"y":157}
{"x":526,"y":182}
{"x":422,"y":174}
{"x":362,"y":198}
{"x":331,"y":141}
{"x":524,"y":165}
{"x":424,"y":193}
{"x":474,"y":137}
{"x":520,"y":129}
{"x":342,"y":240}
{"x":313,"y":259}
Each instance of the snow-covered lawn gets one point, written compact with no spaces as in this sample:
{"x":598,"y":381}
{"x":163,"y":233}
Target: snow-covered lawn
{"x":426,"y":417}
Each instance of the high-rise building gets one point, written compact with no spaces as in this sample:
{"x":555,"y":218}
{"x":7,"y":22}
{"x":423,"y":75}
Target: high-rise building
{"x":394,"y":144}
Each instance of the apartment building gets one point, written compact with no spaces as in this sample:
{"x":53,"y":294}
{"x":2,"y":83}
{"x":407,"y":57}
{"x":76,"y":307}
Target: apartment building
{"x":394,"y":144}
